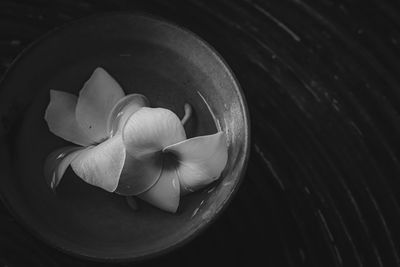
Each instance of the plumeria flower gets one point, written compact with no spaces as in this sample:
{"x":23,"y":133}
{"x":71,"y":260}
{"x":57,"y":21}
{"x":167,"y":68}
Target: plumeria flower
{"x":127,"y":147}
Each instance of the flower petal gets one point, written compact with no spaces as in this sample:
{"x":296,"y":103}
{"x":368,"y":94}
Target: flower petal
{"x":60,"y":117}
{"x":57,"y":163}
{"x":201,"y":160}
{"x":101,"y":165}
{"x":138,"y":175}
{"x":149,"y":130}
{"x":165,"y":193}
{"x":95,"y":102}
{"x":123,"y":109}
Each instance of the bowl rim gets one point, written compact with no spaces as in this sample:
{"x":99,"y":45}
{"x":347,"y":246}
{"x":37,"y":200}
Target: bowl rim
{"x":185,"y":239}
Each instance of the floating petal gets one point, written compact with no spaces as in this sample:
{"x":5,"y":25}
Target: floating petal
{"x":149,"y":130}
{"x":95,"y":102}
{"x":101,"y":165}
{"x":165,"y":193}
{"x":57,"y":163}
{"x":60,"y":117}
{"x":201,"y":160}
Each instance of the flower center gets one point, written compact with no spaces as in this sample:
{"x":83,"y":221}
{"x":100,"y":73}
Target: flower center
{"x":170,"y":160}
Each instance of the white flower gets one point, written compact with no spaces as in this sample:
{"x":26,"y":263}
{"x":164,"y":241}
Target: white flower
{"x":128,"y":147}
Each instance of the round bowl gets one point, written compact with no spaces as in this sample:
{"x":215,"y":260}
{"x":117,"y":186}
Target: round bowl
{"x":146,"y":55}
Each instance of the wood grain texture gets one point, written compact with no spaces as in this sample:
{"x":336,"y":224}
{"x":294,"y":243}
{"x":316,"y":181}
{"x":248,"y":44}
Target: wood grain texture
{"x":322,"y":80}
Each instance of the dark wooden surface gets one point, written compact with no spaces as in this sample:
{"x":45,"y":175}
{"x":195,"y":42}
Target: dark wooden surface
{"x":322,"y":80}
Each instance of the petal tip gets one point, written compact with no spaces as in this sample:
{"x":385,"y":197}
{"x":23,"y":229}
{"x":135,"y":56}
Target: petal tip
{"x":165,"y":194}
{"x":52,"y":92}
{"x":96,"y":99}
{"x":57,"y":163}
{"x":99,"y":69}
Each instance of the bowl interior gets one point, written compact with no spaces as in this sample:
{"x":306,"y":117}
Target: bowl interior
{"x":145,"y":55}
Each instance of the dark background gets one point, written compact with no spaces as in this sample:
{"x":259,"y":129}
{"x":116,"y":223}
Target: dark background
{"x":322,"y":81}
